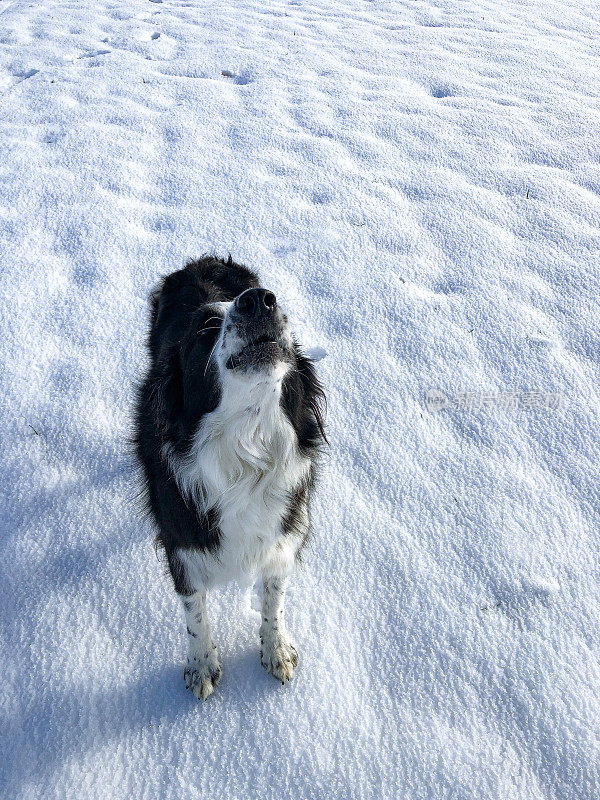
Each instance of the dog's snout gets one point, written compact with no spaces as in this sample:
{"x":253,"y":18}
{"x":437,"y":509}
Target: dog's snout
{"x":255,"y":302}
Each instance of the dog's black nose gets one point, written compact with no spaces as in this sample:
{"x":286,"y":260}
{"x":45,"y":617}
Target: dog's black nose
{"x":255,"y":302}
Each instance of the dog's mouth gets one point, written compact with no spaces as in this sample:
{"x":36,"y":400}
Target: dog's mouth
{"x":264,"y":339}
{"x":260,"y":351}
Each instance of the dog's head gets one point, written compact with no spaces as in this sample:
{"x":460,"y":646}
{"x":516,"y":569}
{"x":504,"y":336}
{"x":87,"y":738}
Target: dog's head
{"x":215,"y":331}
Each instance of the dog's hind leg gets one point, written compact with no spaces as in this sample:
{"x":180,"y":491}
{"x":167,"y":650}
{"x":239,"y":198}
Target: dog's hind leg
{"x":203,"y":671}
{"x":278,"y":654}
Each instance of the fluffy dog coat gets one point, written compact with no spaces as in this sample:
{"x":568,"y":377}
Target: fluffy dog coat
{"x":228,"y":430}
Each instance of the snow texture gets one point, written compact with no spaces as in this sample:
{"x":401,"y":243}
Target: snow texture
{"x":418,"y":181}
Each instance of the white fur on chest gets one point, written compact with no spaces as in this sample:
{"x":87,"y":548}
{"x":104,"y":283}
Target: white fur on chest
{"x":243,"y":463}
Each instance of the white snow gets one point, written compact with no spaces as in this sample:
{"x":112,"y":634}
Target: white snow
{"x":418,"y":181}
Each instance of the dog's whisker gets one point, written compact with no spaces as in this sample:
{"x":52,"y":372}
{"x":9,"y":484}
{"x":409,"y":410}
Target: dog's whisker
{"x":210,"y":355}
{"x":207,"y":330}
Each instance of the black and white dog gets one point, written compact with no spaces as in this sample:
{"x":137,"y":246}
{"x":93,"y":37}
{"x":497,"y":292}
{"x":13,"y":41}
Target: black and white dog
{"x":228,"y":429}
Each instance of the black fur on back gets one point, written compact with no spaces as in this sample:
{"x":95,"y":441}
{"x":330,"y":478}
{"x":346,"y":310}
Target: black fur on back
{"x":179,"y":388}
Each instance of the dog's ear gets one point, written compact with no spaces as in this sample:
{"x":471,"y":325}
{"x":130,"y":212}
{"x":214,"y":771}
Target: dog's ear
{"x":179,"y":291}
{"x":305,"y":403}
{"x":166,"y":392}
{"x":313,"y":393}
{"x":153,"y":302}
{"x":172,"y":303}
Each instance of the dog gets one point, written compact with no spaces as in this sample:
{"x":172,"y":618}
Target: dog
{"x":229,"y":426}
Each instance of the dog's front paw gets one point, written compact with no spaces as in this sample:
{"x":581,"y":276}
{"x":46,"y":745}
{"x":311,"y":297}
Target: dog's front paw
{"x":278,"y":655}
{"x":202,"y":673}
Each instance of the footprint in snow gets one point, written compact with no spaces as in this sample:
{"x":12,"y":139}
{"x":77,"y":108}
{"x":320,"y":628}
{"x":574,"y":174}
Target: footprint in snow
{"x":22,"y":76}
{"x":443,"y":90}
{"x":147,"y":36}
{"x":431,"y":22}
{"x":14,"y":78}
{"x":241,"y":80}
{"x":52,"y":137}
{"x":94,"y":53}
{"x":451,"y":286}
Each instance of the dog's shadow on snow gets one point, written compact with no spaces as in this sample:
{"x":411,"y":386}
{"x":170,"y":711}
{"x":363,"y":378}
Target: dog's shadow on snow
{"x":58,"y":725}
{"x":55,"y":725}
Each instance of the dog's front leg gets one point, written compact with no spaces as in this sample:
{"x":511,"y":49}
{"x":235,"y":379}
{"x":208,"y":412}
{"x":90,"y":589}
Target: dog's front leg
{"x":278,"y":654}
{"x":203,"y":670}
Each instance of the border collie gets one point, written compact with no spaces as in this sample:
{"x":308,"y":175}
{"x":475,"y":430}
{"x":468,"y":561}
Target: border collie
{"x":228,"y":429}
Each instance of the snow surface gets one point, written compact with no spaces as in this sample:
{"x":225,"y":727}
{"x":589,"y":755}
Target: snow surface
{"x":419,"y":183}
